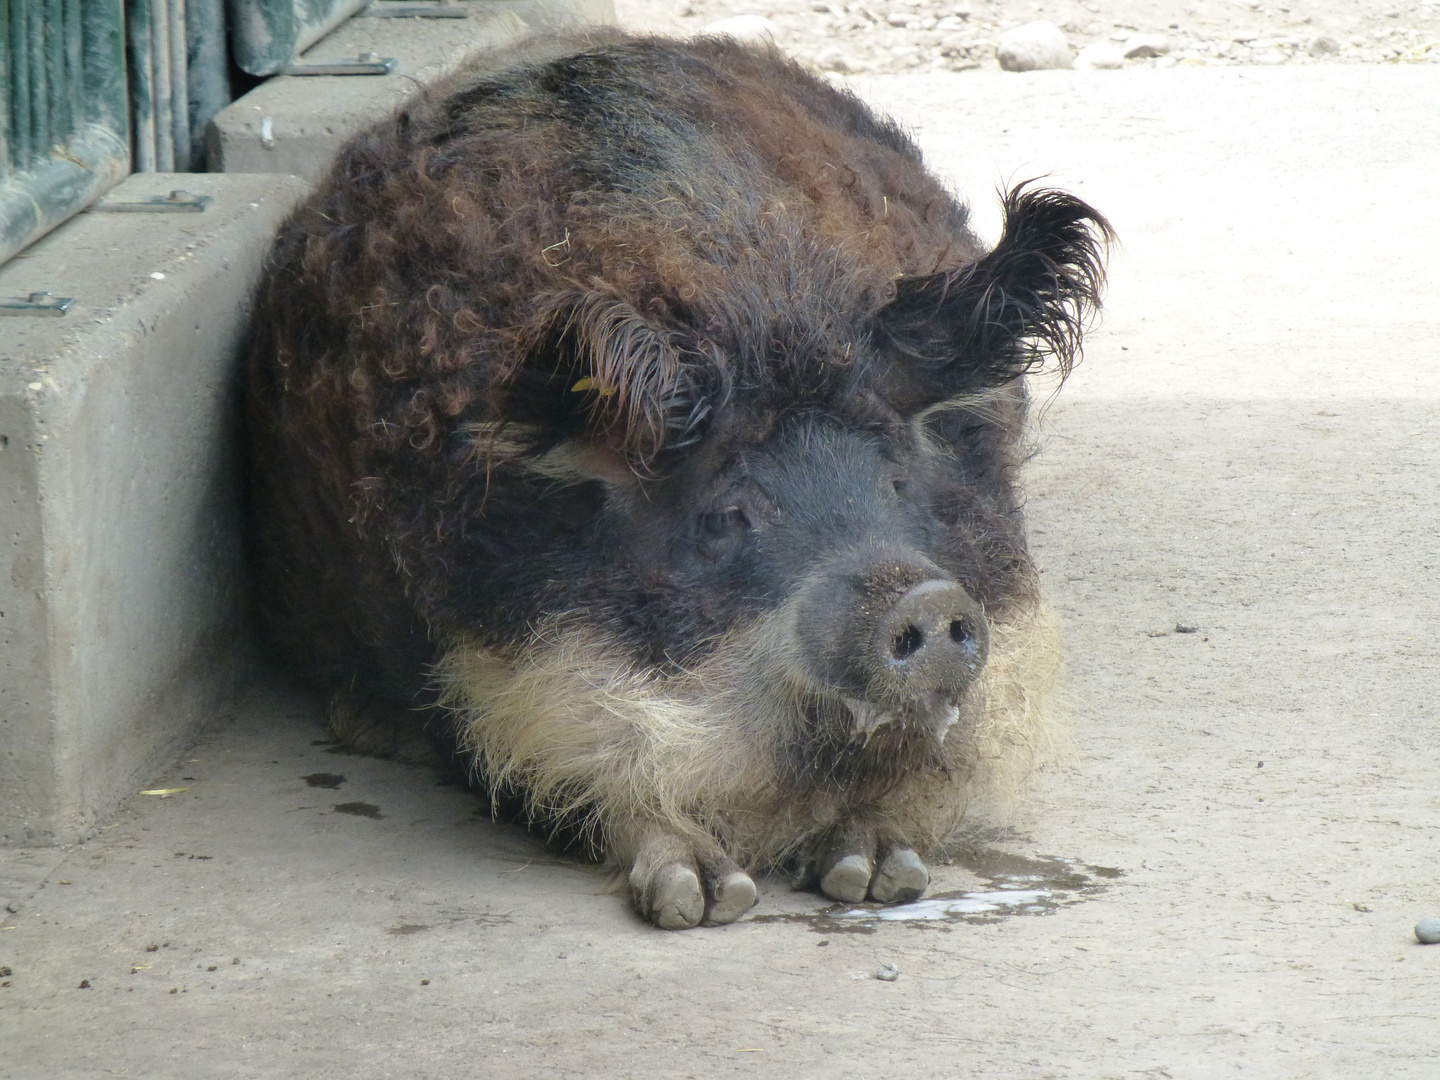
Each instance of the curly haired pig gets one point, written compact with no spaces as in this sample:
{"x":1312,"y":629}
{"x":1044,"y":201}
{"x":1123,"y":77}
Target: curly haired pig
{"x":643,"y":417}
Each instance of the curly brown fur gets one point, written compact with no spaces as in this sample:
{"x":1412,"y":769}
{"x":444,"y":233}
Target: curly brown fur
{"x":584,"y":370}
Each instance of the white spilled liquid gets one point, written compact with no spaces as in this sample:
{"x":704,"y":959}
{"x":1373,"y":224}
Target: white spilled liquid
{"x":976,"y":903}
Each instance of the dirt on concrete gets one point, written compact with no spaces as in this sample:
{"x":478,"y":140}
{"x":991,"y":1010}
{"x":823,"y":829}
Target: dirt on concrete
{"x":1234,"y":505}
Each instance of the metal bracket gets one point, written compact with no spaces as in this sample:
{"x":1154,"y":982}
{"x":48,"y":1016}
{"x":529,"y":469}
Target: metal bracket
{"x":367,"y":63}
{"x":400,"y":9}
{"x":37,"y":303}
{"x":177,"y":202}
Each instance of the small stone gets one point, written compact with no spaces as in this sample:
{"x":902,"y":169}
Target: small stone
{"x":1186,"y":628}
{"x":889,"y":973}
{"x":1146,"y":46}
{"x":1427,"y":931}
{"x":1322,"y":46}
{"x":1102,"y":56}
{"x":836,"y":59}
{"x":1036,"y":46}
{"x":752,"y":29}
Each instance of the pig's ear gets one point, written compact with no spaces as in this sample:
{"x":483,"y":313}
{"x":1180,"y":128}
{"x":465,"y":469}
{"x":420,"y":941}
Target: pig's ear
{"x":1006,"y":313}
{"x":599,"y":374}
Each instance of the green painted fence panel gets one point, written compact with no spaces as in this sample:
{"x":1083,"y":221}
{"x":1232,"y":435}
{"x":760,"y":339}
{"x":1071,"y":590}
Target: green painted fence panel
{"x":268,"y":34}
{"x":64,"y":137}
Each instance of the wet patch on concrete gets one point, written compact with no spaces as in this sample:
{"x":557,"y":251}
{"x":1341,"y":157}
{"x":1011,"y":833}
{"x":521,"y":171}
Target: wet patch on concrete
{"x":324,"y":779}
{"x":457,"y":917}
{"x":1020,"y":885}
{"x":359,"y":809}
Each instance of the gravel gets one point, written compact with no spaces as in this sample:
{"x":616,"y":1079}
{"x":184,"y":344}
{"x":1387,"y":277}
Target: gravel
{"x":958,"y":35}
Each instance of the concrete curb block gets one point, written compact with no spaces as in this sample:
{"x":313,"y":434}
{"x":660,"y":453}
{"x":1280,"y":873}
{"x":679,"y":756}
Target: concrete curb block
{"x":120,"y":563}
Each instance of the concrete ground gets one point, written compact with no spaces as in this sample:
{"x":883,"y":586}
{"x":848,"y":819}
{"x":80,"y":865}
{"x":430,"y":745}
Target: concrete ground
{"x":1252,"y":814}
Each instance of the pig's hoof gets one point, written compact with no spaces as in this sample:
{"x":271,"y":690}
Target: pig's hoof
{"x":676,"y":902}
{"x":850,"y":872}
{"x":732,"y":894}
{"x":848,"y":879}
{"x":902,"y":877}
{"x":677,"y":886}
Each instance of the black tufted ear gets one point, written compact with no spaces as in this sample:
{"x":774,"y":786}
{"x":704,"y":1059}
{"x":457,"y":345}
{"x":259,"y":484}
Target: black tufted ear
{"x":985,"y":324}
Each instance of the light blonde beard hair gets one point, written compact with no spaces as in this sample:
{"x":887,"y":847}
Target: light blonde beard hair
{"x":594,"y":737}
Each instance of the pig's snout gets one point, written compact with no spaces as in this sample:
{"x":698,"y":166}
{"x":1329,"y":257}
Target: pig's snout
{"x":894,"y":640}
{"x":932,"y":640}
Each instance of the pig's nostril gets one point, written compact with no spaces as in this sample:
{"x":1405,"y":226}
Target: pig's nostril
{"x":908,"y":642}
{"x":959,"y":632}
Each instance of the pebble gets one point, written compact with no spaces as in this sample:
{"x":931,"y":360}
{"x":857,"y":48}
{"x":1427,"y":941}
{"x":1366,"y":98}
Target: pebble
{"x":1427,"y":931}
{"x":755,"y":29}
{"x":1102,"y":56}
{"x":834,"y":58}
{"x":1145,"y":46}
{"x":1036,"y":46}
{"x":889,"y":973}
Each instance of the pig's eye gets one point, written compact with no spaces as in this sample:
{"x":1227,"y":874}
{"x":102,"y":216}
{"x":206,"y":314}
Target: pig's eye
{"x":719,"y":523}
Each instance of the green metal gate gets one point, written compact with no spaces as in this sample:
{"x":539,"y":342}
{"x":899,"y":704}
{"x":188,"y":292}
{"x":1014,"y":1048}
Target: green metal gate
{"x":64,"y":139}
{"x":93,"y":89}
{"x":269,"y":33}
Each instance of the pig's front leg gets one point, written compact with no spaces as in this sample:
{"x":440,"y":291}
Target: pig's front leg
{"x":678,"y":883}
{"x":860,"y":863}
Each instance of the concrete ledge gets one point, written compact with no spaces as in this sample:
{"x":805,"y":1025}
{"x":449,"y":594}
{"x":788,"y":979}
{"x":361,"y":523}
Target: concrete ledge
{"x":119,"y":531}
{"x":297,"y":124}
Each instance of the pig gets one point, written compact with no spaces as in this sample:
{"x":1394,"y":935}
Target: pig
{"x":642,"y":419}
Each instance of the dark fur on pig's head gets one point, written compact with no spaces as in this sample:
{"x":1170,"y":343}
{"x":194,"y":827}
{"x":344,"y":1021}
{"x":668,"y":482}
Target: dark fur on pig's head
{"x":649,"y":386}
